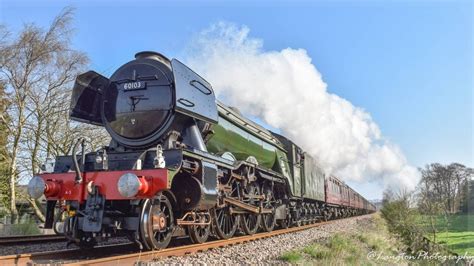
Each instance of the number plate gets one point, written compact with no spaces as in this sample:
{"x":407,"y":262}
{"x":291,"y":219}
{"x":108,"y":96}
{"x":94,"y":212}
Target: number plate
{"x":138,"y":85}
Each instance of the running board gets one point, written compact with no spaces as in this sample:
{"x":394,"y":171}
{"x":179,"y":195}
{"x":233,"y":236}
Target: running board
{"x":246,"y":206}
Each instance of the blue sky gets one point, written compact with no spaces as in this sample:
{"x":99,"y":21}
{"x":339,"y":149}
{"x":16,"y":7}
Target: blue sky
{"x":408,"y":63}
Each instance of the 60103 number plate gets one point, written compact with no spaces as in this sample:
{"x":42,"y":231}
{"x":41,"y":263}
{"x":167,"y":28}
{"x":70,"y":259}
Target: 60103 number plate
{"x":138,"y":85}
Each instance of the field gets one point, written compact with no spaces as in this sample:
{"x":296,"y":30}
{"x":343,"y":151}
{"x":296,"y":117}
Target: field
{"x":459,"y":236}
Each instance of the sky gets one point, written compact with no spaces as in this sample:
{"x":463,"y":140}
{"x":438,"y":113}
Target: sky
{"x":409,"y":64}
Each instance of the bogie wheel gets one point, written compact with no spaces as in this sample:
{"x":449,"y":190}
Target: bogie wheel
{"x":225,"y":224}
{"x":304,"y":214}
{"x":311,"y":214}
{"x":285,"y":223}
{"x":315,"y":213}
{"x":268,"y":219}
{"x":296,"y":219}
{"x":199,"y":233}
{"x":299,"y":222}
{"x":156,"y":222}
{"x":251,"y":221}
{"x":326,"y":215}
{"x":58,"y":224}
{"x":70,"y":228}
{"x":76,"y":236}
{"x":87,"y":242}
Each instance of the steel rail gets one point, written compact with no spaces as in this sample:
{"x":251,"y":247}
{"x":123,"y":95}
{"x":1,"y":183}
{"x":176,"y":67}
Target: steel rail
{"x":61,"y":256}
{"x":9,"y":240}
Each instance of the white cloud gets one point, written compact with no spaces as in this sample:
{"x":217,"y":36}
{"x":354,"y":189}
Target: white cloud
{"x":286,"y":90}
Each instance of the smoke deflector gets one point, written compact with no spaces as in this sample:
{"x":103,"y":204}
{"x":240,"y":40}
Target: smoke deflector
{"x":86,"y":98}
{"x":194,"y":95}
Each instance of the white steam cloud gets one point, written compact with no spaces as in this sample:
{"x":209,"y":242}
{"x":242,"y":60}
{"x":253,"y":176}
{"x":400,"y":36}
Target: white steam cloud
{"x":286,"y":90}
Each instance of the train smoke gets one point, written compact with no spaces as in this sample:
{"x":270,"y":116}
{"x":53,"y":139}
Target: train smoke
{"x":285,"y":89}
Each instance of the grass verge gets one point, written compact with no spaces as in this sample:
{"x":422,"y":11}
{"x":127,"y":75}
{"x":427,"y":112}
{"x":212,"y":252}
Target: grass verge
{"x":371,"y":246}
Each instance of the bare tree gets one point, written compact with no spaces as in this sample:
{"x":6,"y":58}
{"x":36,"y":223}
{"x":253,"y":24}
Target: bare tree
{"x":4,"y":155}
{"x":39,"y":67}
{"x":462,"y":175}
{"x":444,"y":182}
{"x":441,"y":190}
{"x":467,"y":197}
{"x":428,"y":206}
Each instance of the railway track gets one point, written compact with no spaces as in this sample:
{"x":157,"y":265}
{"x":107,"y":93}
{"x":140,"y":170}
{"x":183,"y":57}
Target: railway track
{"x":13,"y":240}
{"x":128,"y":253}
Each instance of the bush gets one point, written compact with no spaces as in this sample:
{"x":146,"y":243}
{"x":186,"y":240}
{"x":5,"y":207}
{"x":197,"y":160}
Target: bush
{"x":29,"y":228}
{"x":406,"y":222}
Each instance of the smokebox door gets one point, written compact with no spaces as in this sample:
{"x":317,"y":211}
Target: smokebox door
{"x":194,"y":95}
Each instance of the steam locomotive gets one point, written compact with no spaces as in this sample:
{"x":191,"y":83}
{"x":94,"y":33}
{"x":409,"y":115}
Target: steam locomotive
{"x":180,"y":163}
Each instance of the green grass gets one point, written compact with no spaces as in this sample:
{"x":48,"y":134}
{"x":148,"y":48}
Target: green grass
{"x":291,"y":257}
{"x":458,"y":236}
{"x":347,"y":248}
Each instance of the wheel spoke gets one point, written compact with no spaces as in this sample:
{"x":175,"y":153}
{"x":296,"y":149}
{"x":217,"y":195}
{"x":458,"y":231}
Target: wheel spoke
{"x":226,"y":229}
{"x":221,"y":220}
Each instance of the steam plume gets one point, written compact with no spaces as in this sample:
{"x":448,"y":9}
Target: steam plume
{"x":286,"y":90}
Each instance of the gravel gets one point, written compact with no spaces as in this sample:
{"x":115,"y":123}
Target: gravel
{"x":267,"y":251}
{"x":16,"y":249}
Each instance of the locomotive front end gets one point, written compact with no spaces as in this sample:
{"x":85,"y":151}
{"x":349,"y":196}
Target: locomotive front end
{"x":152,"y":108}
